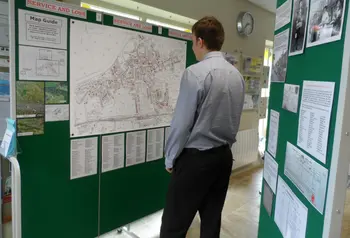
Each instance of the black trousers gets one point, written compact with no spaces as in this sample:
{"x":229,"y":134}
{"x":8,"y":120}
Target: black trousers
{"x":199,"y":182}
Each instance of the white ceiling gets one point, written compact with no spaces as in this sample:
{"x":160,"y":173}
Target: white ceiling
{"x":269,"y":5}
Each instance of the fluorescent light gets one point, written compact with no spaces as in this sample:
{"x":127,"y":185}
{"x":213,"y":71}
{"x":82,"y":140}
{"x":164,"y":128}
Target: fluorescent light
{"x":105,"y":10}
{"x":158,"y":23}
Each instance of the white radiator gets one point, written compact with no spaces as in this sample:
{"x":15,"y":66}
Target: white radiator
{"x":245,"y":150}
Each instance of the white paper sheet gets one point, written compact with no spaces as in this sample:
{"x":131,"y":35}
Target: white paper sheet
{"x":42,"y":64}
{"x":4,"y":63}
{"x":280,"y":61}
{"x":299,"y":27}
{"x":290,"y":213}
{"x":6,"y":141}
{"x":283,"y":14}
{"x":4,"y":35}
{"x":325,"y":22}
{"x":4,"y":8}
{"x":307,"y":175}
{"x":37,"y":29}
{"x":270,"y":171}
{"x":135,"y":148}
{"x":113,"y":152}
{"x":314,"y":118}
{"x":83,"y":157}
{"x":155,"y":144}
{"x":291,"y":97}
{"x":56,"y":113}
{"x":273,"y":132}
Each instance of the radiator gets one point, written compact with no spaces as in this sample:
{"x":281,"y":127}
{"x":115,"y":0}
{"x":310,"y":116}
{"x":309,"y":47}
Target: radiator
{"x":245,"y":150}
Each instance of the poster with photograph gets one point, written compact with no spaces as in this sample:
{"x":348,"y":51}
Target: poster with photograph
{"x":291,"y":98}
{"x":280,"y":58}
{"x":325,"y":22}
{"x":299,"y":26}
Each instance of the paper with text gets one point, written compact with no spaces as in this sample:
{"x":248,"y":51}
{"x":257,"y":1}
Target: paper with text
{"x":270,"y":171}
{"x":290,"y":213}
{"x":273,"y":132}
{"x":83,"y":157}
{"x":307,"y":175}
{"x":135,"y":148}
{"x":283,"y":14}
{"x":314,"y":118}
{"x":113,"y":152}
{"x":155,"y":144}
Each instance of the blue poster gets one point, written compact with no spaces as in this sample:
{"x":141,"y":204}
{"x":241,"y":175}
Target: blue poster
{"x":4,"y":85}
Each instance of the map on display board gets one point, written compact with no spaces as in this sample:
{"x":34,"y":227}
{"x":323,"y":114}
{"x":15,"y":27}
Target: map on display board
{"x":129,"y":80}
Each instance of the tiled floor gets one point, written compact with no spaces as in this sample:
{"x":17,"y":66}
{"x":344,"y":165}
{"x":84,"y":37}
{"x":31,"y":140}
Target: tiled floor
{"x":346,"y":219}
{"x":240,"y":214}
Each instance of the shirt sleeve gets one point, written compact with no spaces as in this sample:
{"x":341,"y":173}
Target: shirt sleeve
{"x":183,"y":118}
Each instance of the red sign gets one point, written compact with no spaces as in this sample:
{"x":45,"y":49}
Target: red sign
{"x":180,"y":34}
{"x":132,"y":24}
{"x":58,"y":8}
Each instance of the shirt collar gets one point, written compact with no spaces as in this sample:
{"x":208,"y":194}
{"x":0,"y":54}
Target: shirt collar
{"x":213,"y":54}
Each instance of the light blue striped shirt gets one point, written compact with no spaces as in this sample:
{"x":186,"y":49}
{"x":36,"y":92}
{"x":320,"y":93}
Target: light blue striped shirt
{"x":209,"y":107}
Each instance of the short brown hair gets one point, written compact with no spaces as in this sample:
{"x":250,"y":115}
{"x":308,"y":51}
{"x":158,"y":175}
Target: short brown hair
{"x":211,"y":31}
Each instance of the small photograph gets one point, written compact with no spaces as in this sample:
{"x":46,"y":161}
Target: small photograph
{"x":280,"y":59}
{"x":56,"y":92}
{"x":325,"y":22}
{"x":291,"y":97}
{"x":30,"y":126}
{"x":299,"y":22}
{"x":30,"y":99}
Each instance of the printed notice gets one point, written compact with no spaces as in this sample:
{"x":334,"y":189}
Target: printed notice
{"x":283,"y":14}
{"x":135,"y":148}
{"x":155,"y":144}
{"x":273,"y":132}
{"x":83,"y":157}
{"x":307,"y":175}
{"x":56,"y":112}
{"x":270,"y":171}
{"x":37,"y":29}
{"x":290,"y":212}
{"x":267,"y":198}
{"x":113,"y":152}
{"x":42,"y":64}
{"x":291,"y":97}
{"x":314,"y":118}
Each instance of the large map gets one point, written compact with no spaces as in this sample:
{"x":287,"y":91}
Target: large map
{"x":122,"y":80}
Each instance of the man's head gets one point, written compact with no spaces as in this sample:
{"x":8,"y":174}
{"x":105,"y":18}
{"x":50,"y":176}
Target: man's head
{"x":207,"y":35}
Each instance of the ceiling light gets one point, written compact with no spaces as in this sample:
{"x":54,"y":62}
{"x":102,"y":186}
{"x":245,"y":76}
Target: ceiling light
{"x":158,"y":23}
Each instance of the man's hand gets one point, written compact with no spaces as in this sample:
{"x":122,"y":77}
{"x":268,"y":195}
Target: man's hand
{"x":170,"y":170}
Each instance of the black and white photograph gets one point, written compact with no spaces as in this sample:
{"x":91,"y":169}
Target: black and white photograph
{"x":291,"y":97}
{"x":299,"y":27}
{"x":325,"y":22}
{"x":280,"y":58}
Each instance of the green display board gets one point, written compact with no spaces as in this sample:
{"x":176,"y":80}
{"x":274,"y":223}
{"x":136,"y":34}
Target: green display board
{"x":318,"y":63}
{"x":55,"y":206}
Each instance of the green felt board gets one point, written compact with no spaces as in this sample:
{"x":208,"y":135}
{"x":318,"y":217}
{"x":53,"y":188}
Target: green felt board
{"x":55,"y":206}
{"x":318,"y":63}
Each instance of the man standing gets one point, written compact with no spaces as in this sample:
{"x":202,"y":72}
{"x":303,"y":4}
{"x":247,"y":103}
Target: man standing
{"x":204,"y":127}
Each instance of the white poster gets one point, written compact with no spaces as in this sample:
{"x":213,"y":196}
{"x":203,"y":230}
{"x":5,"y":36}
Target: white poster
{"x":38,"y":29}
{"x":56,"y":113}
{"x":135,"y":148}
{"x":326,"y":21}
{"x":155,"y":144}
{"x":270,"y":171}
{"x":107,"y":80}
{"x":290,"y":213}
{"x":299,"y":27}
{"x":42,"y":64}
{"x":113,"y":152}
{"x":273,"y":132}
{"x":314,"y":118}
{"x":291,"y":97}
{"x":83,"y":157}
{"x":280,"y":59}
{"x":307,"y":175}
{"x":283,"y":14}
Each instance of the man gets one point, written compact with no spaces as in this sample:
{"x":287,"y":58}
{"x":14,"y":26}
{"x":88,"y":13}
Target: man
{"x":204,"y":127}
